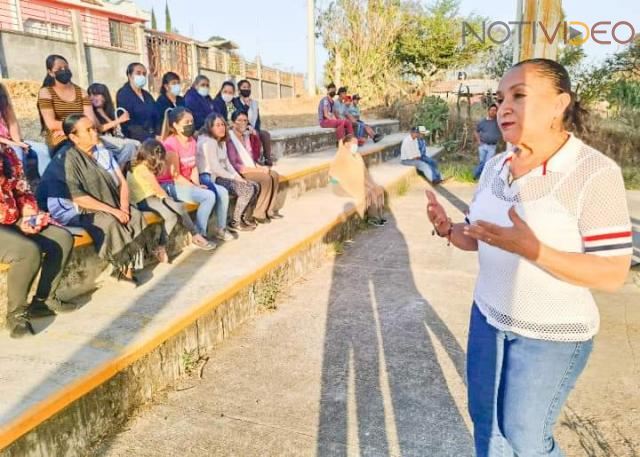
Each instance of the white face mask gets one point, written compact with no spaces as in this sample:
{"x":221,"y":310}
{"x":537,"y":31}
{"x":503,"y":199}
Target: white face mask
{"x":175,"y":89}
{"x":354,"y":148}
{"x":227,"y":98}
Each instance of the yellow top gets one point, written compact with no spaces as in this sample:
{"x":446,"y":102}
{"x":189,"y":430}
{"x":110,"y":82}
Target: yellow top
{"x":143,"y":184}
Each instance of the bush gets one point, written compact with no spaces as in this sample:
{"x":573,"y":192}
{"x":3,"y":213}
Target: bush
{"x":433,"y":113}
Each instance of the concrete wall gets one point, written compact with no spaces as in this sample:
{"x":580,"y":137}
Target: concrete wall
{"x":269,"y":90}
{"x":286,"y":92}
{"x":108,"y":66}
{"x":23,"y":56}
{"x":215,"y":78}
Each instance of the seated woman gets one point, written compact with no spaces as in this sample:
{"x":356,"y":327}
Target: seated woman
{"x":27,"y":243}
{"x":245,"y":103}
{"x":138,"y":103}
{"x":169,"y":97}
{"x":57,"y":99}
{"x":241,"y":157}
{"x":223,"y":102}
{"x":123,"y":149}
{"x":198,"y":100}
{"x":148,"y":195}
{"x":214,"y":167}
{"x":119,"y":232}
{"x":11,"y":136}
{"x":349,"y":176}
{"x":184,"y":184}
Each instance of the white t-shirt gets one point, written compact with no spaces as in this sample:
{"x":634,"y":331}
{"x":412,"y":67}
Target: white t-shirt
{"x":575,"y":202}
{"x":409,"y":149}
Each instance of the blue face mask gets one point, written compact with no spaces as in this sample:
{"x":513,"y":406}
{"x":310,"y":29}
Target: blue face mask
{"x":175,"y":89}
{"x":204,"y":91}
{"x":140,"y":81}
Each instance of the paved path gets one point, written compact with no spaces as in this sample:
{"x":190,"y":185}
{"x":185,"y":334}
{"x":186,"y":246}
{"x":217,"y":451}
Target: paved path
{"x":365,"y":356}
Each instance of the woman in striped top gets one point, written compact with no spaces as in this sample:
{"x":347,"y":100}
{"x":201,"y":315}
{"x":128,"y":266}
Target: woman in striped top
{"x":57,"y":99}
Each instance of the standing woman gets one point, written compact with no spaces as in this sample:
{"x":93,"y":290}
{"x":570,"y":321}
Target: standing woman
{"x":123,"y":149}
{"x":177,"y":138}
{"x":57,"y":99}
{"x":198,"y":100}
{"x":245,"y":103}
{"x":223,"y":103}
{"x":138,"y":103}
{"x":549,"y":221}
{"x":169,"y":97}
{"x":216,"y":170}
{"x":25,"y":236}
{"x":241,"y":157}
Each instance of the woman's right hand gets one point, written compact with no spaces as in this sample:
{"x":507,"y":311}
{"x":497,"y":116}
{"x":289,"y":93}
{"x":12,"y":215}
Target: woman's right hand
{"x":57,"y":134}
{"x":122,"y":217}
{"x":26,"y":228}
{"x":436,"y":213}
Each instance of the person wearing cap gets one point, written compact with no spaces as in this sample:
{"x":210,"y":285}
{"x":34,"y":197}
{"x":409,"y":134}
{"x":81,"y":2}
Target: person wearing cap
{"x":487,"y":134}
{"x":327,"y":117}
{"x":413,"y":153}
{"x":352,"y":113}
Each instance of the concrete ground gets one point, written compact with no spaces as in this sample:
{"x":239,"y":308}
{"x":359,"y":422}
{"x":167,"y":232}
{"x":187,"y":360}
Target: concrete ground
{"x":365,"y":356}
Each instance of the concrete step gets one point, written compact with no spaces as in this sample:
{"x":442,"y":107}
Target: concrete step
{"x":300,"y":174}
{"x":305,"y":140}
{"x":84,"y":373}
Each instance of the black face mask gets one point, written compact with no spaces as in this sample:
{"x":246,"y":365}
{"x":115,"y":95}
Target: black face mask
{"x":245,"y":93}
{"x":332,"y":94}
{"x":63,"y":76}
{"x":188,"y":130}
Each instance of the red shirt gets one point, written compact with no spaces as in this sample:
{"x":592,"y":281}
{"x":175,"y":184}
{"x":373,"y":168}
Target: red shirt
{"x":15,"y":194}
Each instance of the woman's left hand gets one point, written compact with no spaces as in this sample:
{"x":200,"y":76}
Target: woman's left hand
{"x":518,"y":239}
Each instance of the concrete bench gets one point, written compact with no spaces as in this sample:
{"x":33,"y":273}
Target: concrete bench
{"x":305,"y":140}
{"x":299,"y":174}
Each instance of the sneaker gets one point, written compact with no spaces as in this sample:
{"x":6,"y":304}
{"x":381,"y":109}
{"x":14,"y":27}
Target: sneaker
{"x":266,"y":220}
{"x":242,"y":227}
{"x":375,"y":222}
{"x":377,"y":137}
{"x":201,"y":242}
{"x":224,"y":235}
{"x":38,"y":308}
{"x":22,"y":328}
{"x":275,"y":215}
{"x":59,"y":306}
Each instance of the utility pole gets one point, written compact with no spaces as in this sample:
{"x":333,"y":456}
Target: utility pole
{"x":532,"y":42}
{"x":311,"y":47}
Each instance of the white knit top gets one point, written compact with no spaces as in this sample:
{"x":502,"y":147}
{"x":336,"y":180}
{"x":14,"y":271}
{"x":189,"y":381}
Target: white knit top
{"x":575,"y":202}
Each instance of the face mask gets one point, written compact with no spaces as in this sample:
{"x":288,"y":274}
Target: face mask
{"x":140,"y":81}
{"x":175,"y":89}
{"x":354,"y":148}
{"x":227,"y":98}
{"x":332,"y":94}
{"x":188,"y":130}
{"x":203,"y":91}
{"x":245,"y":93}
{"x":63,"y":76}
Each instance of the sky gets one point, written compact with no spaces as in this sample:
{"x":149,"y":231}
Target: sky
{"x":277,"y":29}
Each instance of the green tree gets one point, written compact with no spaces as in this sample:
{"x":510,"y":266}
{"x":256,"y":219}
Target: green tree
{"x":433,"y":113}
{"x":498,"y":60}
{"x":167,"y":18}
{"x":154,"y":22}
{"x":431,"y":39}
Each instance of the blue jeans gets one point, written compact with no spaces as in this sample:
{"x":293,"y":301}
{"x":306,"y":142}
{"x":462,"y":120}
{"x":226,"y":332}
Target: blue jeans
{"x":222,"y":199}
{"x":427,"y":166}
{"x":517,"y":387}
{"x":205,"y":199}
{"x":485,"y":153}
{"x":41,"y":152}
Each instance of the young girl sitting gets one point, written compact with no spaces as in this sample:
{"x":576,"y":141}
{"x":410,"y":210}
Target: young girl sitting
{"x":148,"y":195}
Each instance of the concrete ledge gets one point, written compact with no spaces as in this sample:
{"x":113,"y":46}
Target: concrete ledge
{"x":306,"y":140}
{"x":78,"y":413}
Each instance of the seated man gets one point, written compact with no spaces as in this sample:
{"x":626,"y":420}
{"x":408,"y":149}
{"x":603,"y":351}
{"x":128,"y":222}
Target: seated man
{"x":352,"y":113}
{"x":327,"y":117}
{"x":413,"y":153}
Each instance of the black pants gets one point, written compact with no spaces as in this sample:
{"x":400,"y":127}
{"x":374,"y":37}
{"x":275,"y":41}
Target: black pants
{"x":24,"y":253}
